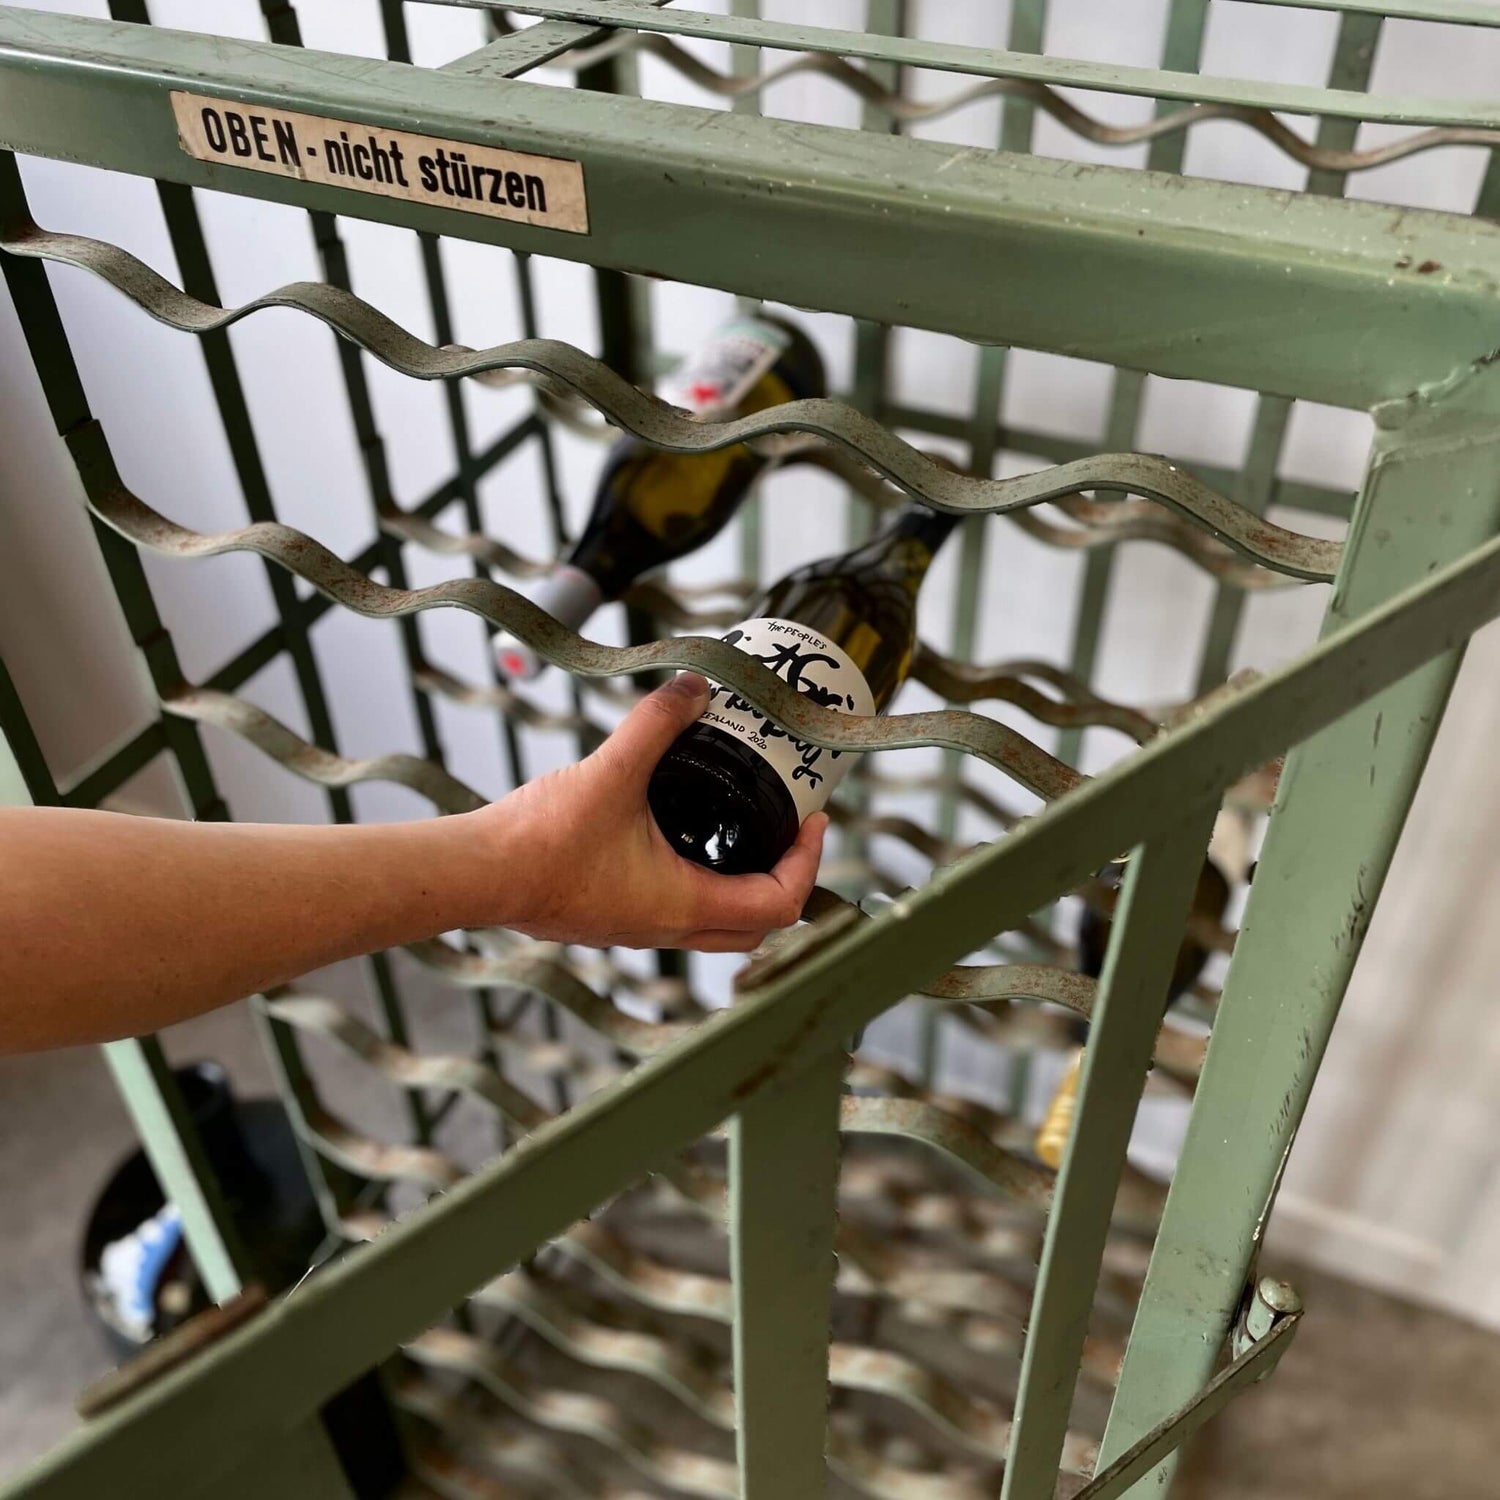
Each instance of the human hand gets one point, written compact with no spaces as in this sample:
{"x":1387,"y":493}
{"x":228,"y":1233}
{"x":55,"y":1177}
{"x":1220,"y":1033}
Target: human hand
{"x":582,"y":860}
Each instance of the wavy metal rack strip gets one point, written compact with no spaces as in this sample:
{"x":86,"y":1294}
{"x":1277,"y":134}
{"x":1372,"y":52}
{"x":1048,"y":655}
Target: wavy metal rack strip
{"x":992,"y":988}
{"x":542,"y":967}
{"x":964,"y":1133}
{"x":667,"y":427}
{"x":408,"y":1070}
{"x":324,"y":767}
{"x":964,"y":790}
{"x":869,"y":1266}
{"x":500,"y":698}
{"x":901,"y":107}
{"x":1095,"y":523}
{"x":964,"y":1144}
{"x":577,"y":1414}
{"x":953,"y":1126}
{"x":591,"y":1416}
{"x":973,"y":1423}
{"x":1078,"y":707}
{"x":1002,"y":746}
{"x":673,"y":604}
{"x":674,"y":996}
{"x":981,"y":1307}
{"x":549,"y":1311}
{"x":378,"y":1161}
{"x":955,"y":681}
{"x":526,"y":1452}
{"x":1141,"y":522}
{"x":982,"y":1231}
{"x":542,"y":1458}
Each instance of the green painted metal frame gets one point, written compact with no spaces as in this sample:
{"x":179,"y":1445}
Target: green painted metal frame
{"x":1063,"y":72}
{"x":1021,"y":234}
{"x":279,"y":1367}
{"x":1310,"y":281}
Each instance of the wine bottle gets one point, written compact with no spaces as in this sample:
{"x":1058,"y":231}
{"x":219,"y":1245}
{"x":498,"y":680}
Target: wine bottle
{"x":1210,"y":897}
{"x":732,"y":791}
{"x":652,"y":507}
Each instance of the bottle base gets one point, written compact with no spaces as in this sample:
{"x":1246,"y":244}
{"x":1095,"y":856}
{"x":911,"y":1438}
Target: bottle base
{"x":720,"y":806}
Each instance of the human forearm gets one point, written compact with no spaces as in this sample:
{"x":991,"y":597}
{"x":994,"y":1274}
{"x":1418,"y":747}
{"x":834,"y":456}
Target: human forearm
{"x":112,"y":926}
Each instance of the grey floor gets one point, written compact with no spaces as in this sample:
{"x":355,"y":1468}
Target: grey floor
{"x":1376,"y":1398}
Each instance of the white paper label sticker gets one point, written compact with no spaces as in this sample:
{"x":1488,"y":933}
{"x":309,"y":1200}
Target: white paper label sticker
{"x":717,"y":377}
{"x":817,"y":668}
{"x":542,"y":190}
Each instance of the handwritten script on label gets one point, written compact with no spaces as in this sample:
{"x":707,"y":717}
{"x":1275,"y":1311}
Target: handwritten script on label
{"x":543,"y":190}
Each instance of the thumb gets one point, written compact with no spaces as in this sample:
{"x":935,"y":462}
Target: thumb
{"x":650,"y":727}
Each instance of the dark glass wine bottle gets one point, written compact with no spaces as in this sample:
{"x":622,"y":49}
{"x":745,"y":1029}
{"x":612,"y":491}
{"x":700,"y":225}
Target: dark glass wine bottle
{"x":1210,"y":898}
{"x":732,"y":791}
{"x":652,"y":507}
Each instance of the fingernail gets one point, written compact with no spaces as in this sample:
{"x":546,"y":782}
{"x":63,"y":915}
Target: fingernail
{"x":689,"y":685}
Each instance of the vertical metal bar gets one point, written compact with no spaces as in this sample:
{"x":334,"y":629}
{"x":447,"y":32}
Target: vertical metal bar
{"x":1351,"y":67}
{"x":1182,"y":52}
{"x":556,"y":514}
{"x":872,"y":346}
{"x":744,"y":63}
{"x":1353,"y":59}
{"x":1253,"y":489}
{"x":151,"y":1095}
{"x":47,"y":341}
{"x":531,"y":328}
{"x":332,"y":1185}
{"x":189,"y":246}
{"x":625,"y":346}
{"x":1431,"y":493}
{"x":24,"y":774}
{"x":1028,"y":33}
{"x":144,"y":1078}
{"x":872,"y":340}
{"x":1487,"y":205}
{"x":283,"y":26}
{"x":1132,"y":991}
{"x":783,"y":1173}
{"x":398,"y":49}
{"x":624,"y":328}
{"x":1028,"y":25}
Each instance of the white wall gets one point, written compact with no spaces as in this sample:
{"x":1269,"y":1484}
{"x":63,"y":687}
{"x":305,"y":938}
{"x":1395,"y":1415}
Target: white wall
{"x":1390,"y":1178}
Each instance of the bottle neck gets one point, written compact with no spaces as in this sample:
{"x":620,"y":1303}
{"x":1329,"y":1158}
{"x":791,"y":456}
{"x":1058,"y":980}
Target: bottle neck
{"x":930,"y":527}
{"x":915,"y":524}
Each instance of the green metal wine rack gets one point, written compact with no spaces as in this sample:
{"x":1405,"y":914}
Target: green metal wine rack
{"x":1295,"y":296}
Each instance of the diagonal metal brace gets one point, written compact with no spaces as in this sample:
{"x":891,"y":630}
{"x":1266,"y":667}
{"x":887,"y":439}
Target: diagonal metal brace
{"x":1258,"y":1357}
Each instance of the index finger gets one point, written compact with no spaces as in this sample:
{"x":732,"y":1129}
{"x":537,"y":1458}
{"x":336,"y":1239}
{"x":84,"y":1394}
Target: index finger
{"x":756,"y":903}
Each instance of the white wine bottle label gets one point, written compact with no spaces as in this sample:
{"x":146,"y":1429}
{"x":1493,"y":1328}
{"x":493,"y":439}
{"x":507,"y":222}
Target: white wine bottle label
{"x":570,"y":596}
{"x":719,"y":375}
{"x":819,"y":669}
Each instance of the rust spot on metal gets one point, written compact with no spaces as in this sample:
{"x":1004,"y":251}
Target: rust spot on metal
{"x":170,"y":1351}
